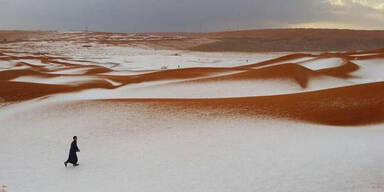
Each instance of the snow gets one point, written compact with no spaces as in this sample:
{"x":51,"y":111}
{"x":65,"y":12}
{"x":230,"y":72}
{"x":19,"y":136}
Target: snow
{"x":36,"y":62}
{"x":73,"y":62}
{"x":18,"y":54}
{"x":140,"y":57}
{"x":212,"y":89}
{"x":64,"y":80}
{"x":7,"y":65}
{"x":128,"y":72}
{"x":321,"y":83}
{"x":166,"y":89}
{"x":369,"y":71}
{"x":299,"y":60}
{"x":153,"y":60}
{"x":137,"y":147}
{"x":4,"y":65}
{"x":322,"y":63}
{"x":185,"y":89}
{"x":72,"y":71}
{"x":155,"y":147}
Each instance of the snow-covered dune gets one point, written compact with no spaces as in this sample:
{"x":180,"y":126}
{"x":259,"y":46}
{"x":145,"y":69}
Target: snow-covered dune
{"x":151,"y":119}
{"x":143,"y":146}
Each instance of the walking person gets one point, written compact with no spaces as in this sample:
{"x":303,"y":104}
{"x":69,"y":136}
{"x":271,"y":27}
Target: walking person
{"x":72,"y":153}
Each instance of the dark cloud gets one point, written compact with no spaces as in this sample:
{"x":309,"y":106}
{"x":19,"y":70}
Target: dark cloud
{"x":174,"y":15}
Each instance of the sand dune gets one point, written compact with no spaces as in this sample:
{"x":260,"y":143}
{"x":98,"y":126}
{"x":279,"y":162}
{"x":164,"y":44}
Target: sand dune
{"x":342,"y":71}
{"x":172,"y":74}
{"x":282,"y":59}
{"x":20,"y":91}
{"x":11,"y":74}
{"x":289,"y":71}
{"x":324,"y":88}
{"x":153,"y":116}
{"x":353,"y":105}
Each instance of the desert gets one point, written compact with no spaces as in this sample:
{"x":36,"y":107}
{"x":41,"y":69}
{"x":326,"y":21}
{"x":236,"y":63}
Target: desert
{"x":253,"y":110}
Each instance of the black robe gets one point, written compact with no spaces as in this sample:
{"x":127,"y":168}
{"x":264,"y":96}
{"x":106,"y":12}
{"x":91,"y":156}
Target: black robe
{"x":72,"y":153}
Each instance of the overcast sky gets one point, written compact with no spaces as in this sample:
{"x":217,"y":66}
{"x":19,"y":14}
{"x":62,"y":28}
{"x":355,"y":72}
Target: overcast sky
{"x":189,"y":15}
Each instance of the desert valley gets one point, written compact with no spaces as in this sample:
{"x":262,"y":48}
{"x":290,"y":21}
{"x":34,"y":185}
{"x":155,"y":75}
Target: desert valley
{"x":259,"y":110}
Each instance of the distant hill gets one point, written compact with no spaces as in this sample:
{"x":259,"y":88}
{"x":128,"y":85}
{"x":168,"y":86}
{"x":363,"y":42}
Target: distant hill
{"x":281,"y":40}
{"x":17,"y":35}
{"x":265,"y":40}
